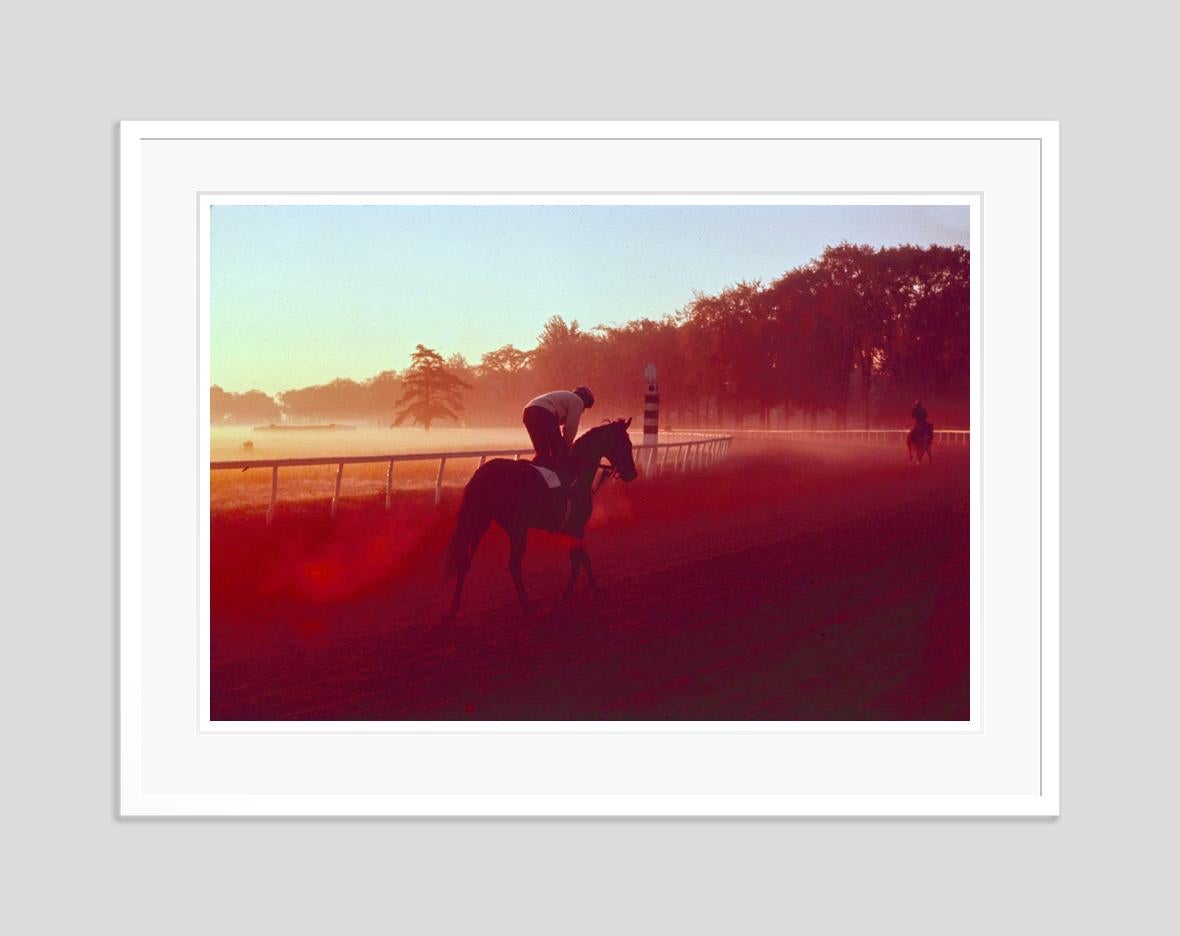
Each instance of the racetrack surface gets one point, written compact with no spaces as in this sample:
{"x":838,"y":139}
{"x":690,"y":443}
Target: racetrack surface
{"x":794,"y":581}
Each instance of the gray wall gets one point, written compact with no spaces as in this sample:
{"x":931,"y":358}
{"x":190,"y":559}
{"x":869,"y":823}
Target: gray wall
{"x":70,"y":74}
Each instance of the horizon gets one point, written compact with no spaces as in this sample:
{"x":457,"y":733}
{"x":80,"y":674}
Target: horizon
{"x":303,"y":295}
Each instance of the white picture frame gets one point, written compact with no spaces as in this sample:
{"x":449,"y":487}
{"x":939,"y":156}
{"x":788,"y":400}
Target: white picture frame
{"x":173,"y":761}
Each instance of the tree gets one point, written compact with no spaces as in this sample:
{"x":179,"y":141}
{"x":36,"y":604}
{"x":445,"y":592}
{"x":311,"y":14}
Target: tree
{"x":431,"y":392}
{"x":726,"y":353}
{"x":503,"y":383}
{"x":564,"y":356}
{"x":382,"y":393}
{"x":338,"y":399}
{"x":253,"y":406}
{"x":856,"y":330}
{"x":505,"y":360}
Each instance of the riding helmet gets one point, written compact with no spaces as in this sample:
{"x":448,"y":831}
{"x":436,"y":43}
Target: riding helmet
{"x":586,"y":395}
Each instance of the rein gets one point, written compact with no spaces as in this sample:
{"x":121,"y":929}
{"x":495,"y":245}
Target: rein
{"x":607,"y":471}
{"x":604,"y":472}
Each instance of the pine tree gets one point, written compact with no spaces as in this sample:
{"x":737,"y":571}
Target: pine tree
{"x":431,"y":392}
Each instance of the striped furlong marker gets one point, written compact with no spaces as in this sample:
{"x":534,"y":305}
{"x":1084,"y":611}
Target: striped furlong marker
{"x":651,"y":413}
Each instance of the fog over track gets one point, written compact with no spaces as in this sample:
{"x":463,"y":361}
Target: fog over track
{"x":796,"y":580}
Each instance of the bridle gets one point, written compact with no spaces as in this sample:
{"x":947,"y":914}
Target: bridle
{"x":605,"y":471}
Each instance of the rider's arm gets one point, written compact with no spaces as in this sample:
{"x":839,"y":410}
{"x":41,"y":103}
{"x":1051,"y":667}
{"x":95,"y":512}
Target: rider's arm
{"x":570,"y":430}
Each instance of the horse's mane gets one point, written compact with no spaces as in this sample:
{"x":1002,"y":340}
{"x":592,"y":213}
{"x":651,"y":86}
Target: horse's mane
{"x":606,"y":424}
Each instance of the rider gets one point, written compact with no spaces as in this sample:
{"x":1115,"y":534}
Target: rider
{"x":919,"y":414}
{"x":552,"y":422}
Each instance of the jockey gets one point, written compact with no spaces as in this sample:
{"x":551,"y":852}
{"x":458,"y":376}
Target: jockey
{"x":552,"y":422}
{"x":919,"y":413}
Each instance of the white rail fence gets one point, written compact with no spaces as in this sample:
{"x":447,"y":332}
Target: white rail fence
{"x":941,"y":436}
{"x":655,"y":460}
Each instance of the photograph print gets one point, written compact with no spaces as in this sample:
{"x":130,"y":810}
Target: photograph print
{"x":589,"y":462}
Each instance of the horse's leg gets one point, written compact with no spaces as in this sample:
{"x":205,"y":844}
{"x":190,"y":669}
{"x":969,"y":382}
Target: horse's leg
{"x":589,"y":573}
{"x":575,"y":565}
{"x":579,"y":558}
{"x":464,"y":566}
{"x":517,"y":537}
{"x":459,"y":576}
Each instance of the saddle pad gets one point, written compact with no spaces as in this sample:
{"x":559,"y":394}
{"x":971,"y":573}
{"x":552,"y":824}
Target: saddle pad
{"x":549,"y":475}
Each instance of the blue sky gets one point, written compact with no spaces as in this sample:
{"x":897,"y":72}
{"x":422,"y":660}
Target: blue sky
{"x":303,"y":294}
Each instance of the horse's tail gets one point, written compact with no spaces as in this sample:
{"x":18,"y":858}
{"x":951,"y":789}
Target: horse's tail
{"x":474,"y":516}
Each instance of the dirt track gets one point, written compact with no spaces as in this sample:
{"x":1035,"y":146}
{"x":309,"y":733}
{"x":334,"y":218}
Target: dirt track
{"x":795,"y":582}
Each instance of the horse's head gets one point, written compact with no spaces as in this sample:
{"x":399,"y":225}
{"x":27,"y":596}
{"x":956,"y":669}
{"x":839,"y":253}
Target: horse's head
{"x":609,"y":441}
{"x":619,"y":452}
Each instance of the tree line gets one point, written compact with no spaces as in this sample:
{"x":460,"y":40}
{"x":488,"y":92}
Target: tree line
{"x":847,"y":340}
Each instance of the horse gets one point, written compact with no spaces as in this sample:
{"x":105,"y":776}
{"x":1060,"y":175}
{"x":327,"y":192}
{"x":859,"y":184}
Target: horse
{"x":918,"y":442}
{"x":517,"y":497}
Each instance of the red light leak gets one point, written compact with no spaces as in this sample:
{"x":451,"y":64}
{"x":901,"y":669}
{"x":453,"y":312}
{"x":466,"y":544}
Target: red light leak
{"x":791,"y":582}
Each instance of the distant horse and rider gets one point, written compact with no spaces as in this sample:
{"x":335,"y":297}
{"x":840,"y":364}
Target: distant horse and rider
{"x":920,"y":438}
{"x":554,"y":492}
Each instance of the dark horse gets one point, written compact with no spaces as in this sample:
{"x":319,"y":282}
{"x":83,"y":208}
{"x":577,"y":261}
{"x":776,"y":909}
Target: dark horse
{"x":516,"y":496}
{"x":918,"y":442}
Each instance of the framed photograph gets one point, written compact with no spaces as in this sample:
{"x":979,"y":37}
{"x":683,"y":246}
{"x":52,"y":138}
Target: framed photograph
{"x":589,"y":469}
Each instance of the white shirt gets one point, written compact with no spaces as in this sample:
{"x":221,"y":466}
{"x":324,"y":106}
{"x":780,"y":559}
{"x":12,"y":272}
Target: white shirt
{"x":566,"y":405}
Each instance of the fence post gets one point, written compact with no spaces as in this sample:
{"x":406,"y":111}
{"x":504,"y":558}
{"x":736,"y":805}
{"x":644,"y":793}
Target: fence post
{"x":651,"y":415}
{"x":274,"y":490}
{"x":336,"y":493}
{"x":442,"y":463}
{"x":389,"y":484}
{"x":482,"y":460}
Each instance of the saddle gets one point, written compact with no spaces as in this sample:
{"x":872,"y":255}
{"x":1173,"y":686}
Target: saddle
{"x":552,"y":478}
{"x":570,"y":505}
{"x":556,"y":472}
